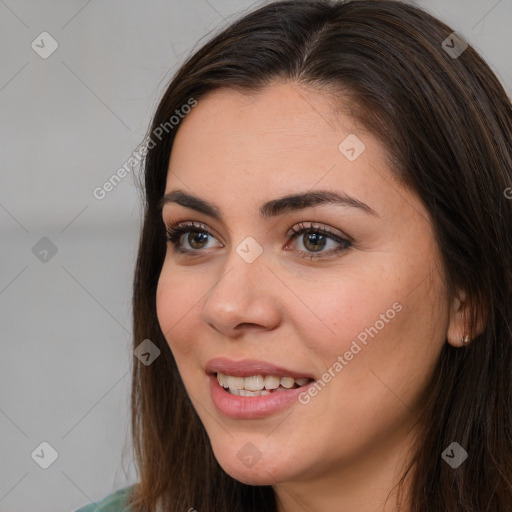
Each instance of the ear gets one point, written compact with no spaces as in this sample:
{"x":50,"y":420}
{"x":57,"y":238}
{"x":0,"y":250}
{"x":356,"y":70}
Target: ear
{"x":460,"y":316}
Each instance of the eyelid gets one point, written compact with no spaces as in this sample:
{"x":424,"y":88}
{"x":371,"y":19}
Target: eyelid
{"x":190,"y":224}
{"x":312,"y":225}
{"x":173,"y":224}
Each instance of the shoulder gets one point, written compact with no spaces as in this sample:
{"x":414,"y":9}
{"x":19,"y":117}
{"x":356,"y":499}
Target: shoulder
{"x":115,"y":502}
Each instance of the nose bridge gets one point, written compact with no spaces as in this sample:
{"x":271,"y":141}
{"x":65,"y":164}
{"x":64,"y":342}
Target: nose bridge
{"x":243,"y":294}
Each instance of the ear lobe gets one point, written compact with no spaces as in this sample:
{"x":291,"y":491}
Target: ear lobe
{"x":460,"y":321}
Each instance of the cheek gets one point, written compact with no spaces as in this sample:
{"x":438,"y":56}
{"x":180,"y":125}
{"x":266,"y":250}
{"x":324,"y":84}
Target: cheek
{"x":167,"y":307}
{"x":386,"y":322}
{"x":176,"y":297}
{"x":345,"y":310}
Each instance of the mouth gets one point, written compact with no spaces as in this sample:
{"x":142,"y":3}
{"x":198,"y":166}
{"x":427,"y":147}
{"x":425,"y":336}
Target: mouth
{"x":259,"y":385}
{"x":249,"y":389}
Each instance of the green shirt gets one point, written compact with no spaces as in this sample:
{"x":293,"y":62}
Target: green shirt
{"x":115,"y":502}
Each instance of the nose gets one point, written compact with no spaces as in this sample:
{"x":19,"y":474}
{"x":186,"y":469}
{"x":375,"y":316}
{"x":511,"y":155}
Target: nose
{"x":245,"y":296}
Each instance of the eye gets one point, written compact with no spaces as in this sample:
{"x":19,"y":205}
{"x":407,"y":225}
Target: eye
{"x":197,"y":236}
{"x":315,"y":238}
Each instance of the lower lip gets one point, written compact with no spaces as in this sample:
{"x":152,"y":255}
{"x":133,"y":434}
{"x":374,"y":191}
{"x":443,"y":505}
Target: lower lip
{"x":249,"y":407}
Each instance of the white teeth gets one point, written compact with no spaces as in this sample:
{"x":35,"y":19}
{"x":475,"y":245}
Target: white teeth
{"x":256,"y":385}
{"x":245,"y":392}
{"x":287,"y":382}
{"x":272,"y":382}
{"x":228,"y":381}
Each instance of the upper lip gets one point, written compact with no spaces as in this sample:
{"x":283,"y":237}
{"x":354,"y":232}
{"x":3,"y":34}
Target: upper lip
{"x":249,"y":367}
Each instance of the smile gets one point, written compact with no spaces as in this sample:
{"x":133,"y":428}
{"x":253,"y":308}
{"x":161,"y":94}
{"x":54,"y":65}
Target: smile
{"x":258,"y":385}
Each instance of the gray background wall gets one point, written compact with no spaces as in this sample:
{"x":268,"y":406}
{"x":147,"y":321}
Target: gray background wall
{"x":68,"y":122}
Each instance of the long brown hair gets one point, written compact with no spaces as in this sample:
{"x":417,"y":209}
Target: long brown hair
{"x":446,"y":123}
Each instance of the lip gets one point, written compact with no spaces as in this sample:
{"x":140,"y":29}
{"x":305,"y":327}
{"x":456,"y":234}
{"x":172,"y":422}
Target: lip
{"x":249,"y":367}
{"x":252,"y":407}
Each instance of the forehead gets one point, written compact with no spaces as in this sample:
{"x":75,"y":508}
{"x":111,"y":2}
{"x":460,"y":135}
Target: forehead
{"x":252,"y":130}
{"x":285,"y":114}
{"x":281,"y":139}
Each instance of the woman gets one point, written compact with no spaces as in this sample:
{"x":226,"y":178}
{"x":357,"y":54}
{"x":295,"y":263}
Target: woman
{"x":324,"y":271}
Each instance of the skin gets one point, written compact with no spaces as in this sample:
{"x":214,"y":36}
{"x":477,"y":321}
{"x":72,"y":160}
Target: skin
{"x":344,"y":450}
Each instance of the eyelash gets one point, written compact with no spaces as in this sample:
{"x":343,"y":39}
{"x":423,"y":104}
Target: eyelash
{"x":174,"y":233}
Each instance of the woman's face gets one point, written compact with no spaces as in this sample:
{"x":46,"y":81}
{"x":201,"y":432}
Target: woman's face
{"x":354,"y":302}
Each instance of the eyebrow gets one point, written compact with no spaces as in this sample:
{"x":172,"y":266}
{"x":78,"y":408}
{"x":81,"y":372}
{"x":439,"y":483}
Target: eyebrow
{"x":271,"y":208}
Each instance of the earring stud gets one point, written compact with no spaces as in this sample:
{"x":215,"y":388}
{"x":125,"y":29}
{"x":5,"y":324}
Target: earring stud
{"x":465,"y":339}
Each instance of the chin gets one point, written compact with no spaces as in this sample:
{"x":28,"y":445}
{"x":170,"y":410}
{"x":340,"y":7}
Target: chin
{"x":256,"y":475}
{"x":252,"y":467}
